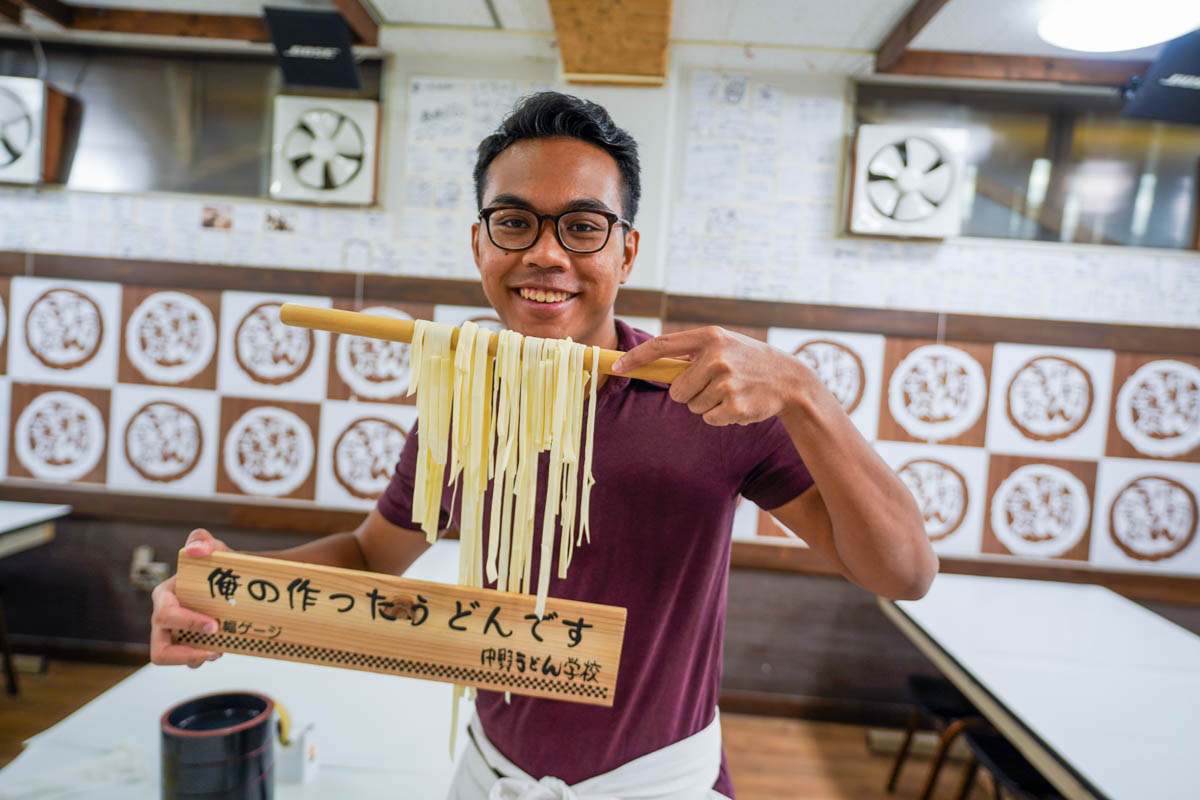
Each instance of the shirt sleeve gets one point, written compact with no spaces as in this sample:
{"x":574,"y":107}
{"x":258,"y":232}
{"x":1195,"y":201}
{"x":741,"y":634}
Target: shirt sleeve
{"x":772,"y":472}
{"x":395,"y":504}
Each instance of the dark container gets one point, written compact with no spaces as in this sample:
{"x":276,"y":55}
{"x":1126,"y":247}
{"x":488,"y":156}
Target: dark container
{"x":219,"y":746}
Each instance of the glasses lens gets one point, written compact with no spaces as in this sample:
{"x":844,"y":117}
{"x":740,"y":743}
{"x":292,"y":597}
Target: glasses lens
{"x":584,"y":231}
{"x":512,"y":228}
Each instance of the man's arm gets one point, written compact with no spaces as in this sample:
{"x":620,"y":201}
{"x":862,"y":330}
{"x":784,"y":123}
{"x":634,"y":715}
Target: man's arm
{"x":376,"y":545}
{"x":859,"y":515}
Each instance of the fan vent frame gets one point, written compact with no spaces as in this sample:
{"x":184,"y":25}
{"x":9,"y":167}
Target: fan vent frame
{"x":324,"y":150}
{"x":907,"y":181}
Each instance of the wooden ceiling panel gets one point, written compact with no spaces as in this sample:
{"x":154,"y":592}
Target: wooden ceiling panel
{"x":613,"y":41}
{"x":10,"y":12}
{"x":897,"y":41}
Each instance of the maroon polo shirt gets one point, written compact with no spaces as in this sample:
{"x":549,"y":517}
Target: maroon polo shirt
{"x":661,"y":515}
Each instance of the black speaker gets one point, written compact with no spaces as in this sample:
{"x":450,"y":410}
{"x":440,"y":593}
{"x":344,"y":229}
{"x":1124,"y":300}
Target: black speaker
{"x":313,"y":48}
{"x":1171,"y":89}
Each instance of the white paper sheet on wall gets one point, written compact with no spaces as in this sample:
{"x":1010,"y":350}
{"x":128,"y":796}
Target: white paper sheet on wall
{"x":758,"y":171}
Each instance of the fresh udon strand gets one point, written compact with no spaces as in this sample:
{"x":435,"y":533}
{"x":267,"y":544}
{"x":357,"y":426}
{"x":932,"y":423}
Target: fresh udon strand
{"x":507,"y":409}
{"x":585,"y":493}
{"x":430,"y":378}
{"x":556,"y":377}
{"x":571,"y":448}
{"x":483,"y":424}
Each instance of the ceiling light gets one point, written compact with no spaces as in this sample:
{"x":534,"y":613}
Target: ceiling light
{"x":1107,"y":26}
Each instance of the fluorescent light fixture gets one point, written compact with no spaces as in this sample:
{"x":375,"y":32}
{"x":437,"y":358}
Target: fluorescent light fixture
{"x":1109,"y":26}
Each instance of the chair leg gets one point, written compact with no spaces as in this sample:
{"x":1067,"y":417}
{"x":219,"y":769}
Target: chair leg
{"x":914,"y":719}
{"x":10,"y":669}
{"x":948,"y":736}
{"x":968,"y":779}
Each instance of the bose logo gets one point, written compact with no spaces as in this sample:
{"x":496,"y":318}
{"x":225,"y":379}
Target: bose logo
{"x":312,"y":51}
{"x":1181,"y":80}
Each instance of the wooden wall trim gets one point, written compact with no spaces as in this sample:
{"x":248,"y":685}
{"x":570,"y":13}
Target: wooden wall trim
{"x":224,"y":512}
{"x":1134,"y":585}
{"x":631,"y":302}
{"x":170,"y":23}
{"x":730,"y":311}
{"x":924,"y":325}
{"x":990,"y":66}
{"x":216,"y":277}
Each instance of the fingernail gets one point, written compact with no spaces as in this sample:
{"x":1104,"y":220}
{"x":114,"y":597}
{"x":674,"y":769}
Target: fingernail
{"x":213,"y":656}
{"x":618,"y":365}
{"x":210,"y":627}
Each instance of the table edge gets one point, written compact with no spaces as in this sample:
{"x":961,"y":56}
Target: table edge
{"x":1055,"y":769}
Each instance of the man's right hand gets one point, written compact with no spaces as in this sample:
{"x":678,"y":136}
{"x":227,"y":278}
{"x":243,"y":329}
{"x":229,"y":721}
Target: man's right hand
{"x":168,"y":615}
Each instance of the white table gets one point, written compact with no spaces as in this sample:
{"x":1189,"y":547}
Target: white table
{"x":22,"y":526}
{"x":26,"y":525}
{"x":1100,"y":694}
{"x":378,"y":736}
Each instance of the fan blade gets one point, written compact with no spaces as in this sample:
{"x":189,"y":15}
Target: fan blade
{"x":936,"y":184}
{"x":343,"y":169}
{"x":884,"y":196}
{"x":922,"y":154}
{"x":348,"y":140}
{"x":303,"y":125}
{"x":912,"y":207}
{"x":311,"y":173}
{"x":327,"y":123}
{"x":12,"y":154}
{"x":298,"y":143}
{"x":887,"y":163}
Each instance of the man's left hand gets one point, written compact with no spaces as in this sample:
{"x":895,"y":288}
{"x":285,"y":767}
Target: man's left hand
{"x":731,"y":379}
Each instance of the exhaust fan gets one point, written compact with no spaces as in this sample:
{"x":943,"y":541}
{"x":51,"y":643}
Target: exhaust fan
{"x":324,"y":150}
{"x":31,"y":130}
{"x":907,"y":181}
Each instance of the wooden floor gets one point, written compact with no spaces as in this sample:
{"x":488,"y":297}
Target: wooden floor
{"x":769,"y":757}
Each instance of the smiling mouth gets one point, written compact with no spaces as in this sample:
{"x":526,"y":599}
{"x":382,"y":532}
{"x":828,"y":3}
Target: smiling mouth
{"x":543,"y":296}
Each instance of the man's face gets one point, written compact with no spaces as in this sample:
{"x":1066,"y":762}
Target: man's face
{"x":550,"y":176}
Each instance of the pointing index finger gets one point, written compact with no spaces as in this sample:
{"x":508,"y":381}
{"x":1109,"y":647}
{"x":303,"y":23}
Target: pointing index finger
{"x":668,"y":345}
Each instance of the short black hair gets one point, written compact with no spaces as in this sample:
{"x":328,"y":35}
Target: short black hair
{"x":547,"y":114}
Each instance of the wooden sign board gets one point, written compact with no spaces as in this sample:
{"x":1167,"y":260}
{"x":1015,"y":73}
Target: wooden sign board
{"x":381,"y":623}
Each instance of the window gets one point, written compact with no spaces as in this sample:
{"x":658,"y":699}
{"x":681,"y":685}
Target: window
{"x":1058,"y":167}
{"x":176,"y":122}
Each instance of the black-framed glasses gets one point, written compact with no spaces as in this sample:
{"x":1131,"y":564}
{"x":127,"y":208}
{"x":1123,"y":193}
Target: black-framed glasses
{"x":577,"y":231}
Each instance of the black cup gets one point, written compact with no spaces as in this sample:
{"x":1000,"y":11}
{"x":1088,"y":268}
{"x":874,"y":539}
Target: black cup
{"x":219,"y":745}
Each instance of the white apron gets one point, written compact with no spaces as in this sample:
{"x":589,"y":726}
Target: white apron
{"x":685,"y":770}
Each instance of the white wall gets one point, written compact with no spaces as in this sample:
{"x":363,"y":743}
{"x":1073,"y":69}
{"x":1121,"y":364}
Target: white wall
{"x":803,"y":258}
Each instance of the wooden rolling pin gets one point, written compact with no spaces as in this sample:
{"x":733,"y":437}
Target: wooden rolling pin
{"x":400,"y":330}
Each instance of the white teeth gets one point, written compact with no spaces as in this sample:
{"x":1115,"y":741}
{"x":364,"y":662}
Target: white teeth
{"x":542,"y":296}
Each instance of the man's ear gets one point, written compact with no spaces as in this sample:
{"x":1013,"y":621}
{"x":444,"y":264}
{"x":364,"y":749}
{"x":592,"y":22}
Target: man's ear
{"x":632,"y":238}
{"x":475,"y":243}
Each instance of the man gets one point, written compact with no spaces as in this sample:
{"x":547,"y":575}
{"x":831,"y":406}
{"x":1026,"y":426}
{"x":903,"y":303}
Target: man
{"x":558,"y":187}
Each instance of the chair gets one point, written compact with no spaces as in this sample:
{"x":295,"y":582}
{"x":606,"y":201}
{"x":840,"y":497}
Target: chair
{"x":1012,"y":774}
{"x":948,"y":711}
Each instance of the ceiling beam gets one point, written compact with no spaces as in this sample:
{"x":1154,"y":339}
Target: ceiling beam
{"x":613,"y":41}
{"x":362,"y":24}
{"x":54,"y":10}
{"x":10,"y":12}
{"x":905,"y":31}
{"x":166,"y":23}
{"x":986,"y":66}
